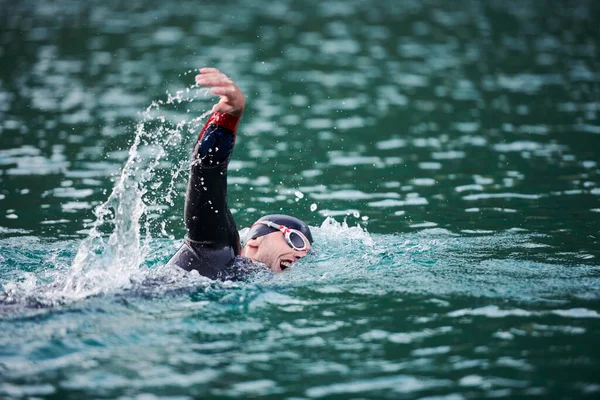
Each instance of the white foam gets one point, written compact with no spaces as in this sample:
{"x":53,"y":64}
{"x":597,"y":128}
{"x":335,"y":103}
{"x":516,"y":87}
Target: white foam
{"x":483,"y":196}
{"x":577,"y":313}
{"x":491,"y":312}
{"x":351,"y":195}
{"x":391,"y":144}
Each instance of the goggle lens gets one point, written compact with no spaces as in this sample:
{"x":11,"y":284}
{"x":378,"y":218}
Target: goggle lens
{"x":297,"y":241}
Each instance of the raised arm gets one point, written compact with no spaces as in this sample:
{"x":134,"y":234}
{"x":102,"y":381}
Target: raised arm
{"x":208,"y":220}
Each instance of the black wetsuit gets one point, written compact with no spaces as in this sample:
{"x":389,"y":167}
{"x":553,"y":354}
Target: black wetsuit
{"x":212,"y":244}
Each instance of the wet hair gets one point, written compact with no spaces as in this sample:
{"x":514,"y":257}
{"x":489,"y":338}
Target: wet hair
{"x":258,"y":230}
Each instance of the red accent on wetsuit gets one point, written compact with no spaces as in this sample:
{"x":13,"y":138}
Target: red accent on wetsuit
{"x":222,"y":119}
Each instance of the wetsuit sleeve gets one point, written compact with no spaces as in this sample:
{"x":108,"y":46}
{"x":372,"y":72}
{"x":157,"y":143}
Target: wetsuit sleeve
{"x":208,"y":220}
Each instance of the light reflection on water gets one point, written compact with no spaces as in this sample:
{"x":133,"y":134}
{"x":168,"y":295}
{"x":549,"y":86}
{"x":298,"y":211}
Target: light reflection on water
{"x":445,"y":79}
{"x":462,"y":136}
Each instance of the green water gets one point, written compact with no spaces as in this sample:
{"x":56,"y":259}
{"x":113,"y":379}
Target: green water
{"x":445,"y":154}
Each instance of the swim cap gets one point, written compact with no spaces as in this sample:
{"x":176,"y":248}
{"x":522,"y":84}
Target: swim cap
{"x":258,"y":230}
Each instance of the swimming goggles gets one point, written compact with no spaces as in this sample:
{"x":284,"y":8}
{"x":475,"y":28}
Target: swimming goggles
{"x":294,"y":238}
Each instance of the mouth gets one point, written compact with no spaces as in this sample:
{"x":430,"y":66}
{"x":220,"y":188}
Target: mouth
{"x":285,"y":265}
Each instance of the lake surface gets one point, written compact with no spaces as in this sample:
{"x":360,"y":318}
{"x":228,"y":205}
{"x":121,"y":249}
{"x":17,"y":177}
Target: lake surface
{"x":446,"y":155}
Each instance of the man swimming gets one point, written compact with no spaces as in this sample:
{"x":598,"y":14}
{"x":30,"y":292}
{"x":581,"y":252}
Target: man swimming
{"x":212,"y":244}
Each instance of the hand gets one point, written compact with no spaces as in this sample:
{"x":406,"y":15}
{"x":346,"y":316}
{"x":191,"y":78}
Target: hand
{"x":232,"y":99}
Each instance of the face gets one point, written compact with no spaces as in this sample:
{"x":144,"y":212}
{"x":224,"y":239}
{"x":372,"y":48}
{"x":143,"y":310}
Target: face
{"x":272,"y":250}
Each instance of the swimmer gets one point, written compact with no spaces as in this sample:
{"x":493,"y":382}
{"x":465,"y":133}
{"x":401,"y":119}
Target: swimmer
{"x":212,"y":243}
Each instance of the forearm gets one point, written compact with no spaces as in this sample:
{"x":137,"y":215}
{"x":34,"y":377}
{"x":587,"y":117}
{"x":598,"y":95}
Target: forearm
{"x":207,"y":217}
{"x":216,"y":140}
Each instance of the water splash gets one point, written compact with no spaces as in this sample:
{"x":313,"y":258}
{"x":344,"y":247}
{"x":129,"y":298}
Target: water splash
{"x":351,"y":233}
{"x":143,"y":191}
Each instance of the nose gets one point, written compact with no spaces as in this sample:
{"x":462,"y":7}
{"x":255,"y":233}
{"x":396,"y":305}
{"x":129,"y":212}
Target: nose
{"x":299,"y":254}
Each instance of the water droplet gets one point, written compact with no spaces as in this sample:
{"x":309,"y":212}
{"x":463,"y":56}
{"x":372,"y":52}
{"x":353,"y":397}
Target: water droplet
{"x":313,"y":207}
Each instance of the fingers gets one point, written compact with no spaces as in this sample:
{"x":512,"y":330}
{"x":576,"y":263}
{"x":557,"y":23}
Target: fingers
{"x":223,"y":90}
{"x":213,"y":80}
{"x":209,"y":70}
{"x":212,"y":77}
